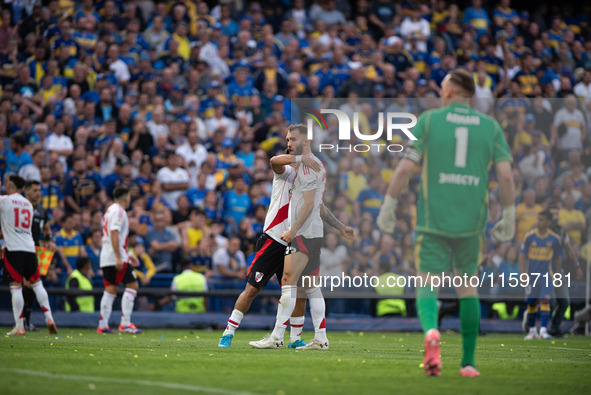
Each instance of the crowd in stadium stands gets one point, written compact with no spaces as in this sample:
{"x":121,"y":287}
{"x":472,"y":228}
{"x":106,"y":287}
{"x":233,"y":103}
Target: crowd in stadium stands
{"x":184,"y":102}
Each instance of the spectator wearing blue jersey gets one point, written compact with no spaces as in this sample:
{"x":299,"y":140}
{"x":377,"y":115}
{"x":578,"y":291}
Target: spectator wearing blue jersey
{"x":246,"y":154}
{"x":260,"y":213}
{"x":236,"y":203}
{"x":370,"y":200}
{"x":340,"y":68}
{"x":104,"y":140}
{"x":325,"y":73}
{"x":84,"y":36}
{"x":65,"y":42}
{"x":281,"y":108}
{"x":448,"y":62}
{"x":241,"y":85}
{"x":228,"y":26}
{"x":70,"y":246}
{"x":93,"y":250}
{"x":439,"y":47}
{"x":477,"y":18}
{"x":92,"y":169}
{"x":504,"y":13}
{"x":226,"y":158}
{"x":196,"y":195}
{"x":89,"y":119}
{"x":494,"y":65}
{"x":37,"y":64}
{"x":51,"y":193}
{"x":171,"y":57}
{"x":87,"y":11}
{"x":106,"y":109}
{"x":80,"y":188}
{"x":386,"y":254}
{"x":419,"y":58}
{"x":17,"y":157}
{"x":123,"y":177}
{"x":211,"y":207}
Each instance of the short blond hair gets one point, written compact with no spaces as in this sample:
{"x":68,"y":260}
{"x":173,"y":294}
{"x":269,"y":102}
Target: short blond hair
{"x":300,"y":127}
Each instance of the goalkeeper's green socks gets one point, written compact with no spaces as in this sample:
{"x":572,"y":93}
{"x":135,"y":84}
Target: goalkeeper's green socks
{"x":470,"y":324}
{"x":427,"y":308}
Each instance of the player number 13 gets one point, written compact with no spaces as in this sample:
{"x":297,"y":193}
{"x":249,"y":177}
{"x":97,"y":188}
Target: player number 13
{"x":22,"y":218}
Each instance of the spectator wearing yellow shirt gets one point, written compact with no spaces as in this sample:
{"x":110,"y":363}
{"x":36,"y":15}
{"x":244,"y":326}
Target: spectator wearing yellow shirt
{"x":353,"y":181}
{"x":50,"y":91}
{"x":526,"y":136}
{"x":440,"y":12}
{"x":66,"y":7}
{"x":526,"y":214}
{"x":387,"y":171}
{"x":146,"y":270}
{"x":572,"y":220}
{"x":194,"y":231}
{"x":180,"y":36}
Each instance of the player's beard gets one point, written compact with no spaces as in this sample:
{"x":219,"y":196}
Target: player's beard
{"x":298,"y":150}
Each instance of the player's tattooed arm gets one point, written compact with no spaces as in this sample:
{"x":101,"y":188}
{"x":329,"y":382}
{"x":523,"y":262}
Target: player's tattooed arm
{"x":333,"y":221}
{"x":330,"y":218}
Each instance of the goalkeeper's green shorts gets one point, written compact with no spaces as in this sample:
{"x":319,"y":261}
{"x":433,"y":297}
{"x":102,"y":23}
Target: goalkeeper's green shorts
{"x":436,"y":254}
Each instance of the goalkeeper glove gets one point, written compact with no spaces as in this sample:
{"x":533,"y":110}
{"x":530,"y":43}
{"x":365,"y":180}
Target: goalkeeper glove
{"x":504,"y":230}
{"x":387,"y":217}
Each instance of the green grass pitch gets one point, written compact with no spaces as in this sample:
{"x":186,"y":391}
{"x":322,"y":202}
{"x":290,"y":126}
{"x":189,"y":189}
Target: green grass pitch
{"x":185,"y":361}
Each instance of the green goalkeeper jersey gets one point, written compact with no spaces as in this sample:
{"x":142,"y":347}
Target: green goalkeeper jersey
{"x":458,"y":146}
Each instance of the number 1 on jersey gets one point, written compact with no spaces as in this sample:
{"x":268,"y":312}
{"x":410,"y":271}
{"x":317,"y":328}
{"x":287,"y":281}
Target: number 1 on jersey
{"x":461,"y":134}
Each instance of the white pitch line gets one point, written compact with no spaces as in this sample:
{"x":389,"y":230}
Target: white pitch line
{"x":163,"y":384}
{"x":568,"y":348}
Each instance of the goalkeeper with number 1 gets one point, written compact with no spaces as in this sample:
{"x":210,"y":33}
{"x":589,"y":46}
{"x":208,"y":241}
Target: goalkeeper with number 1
{"x":457,"y":146}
